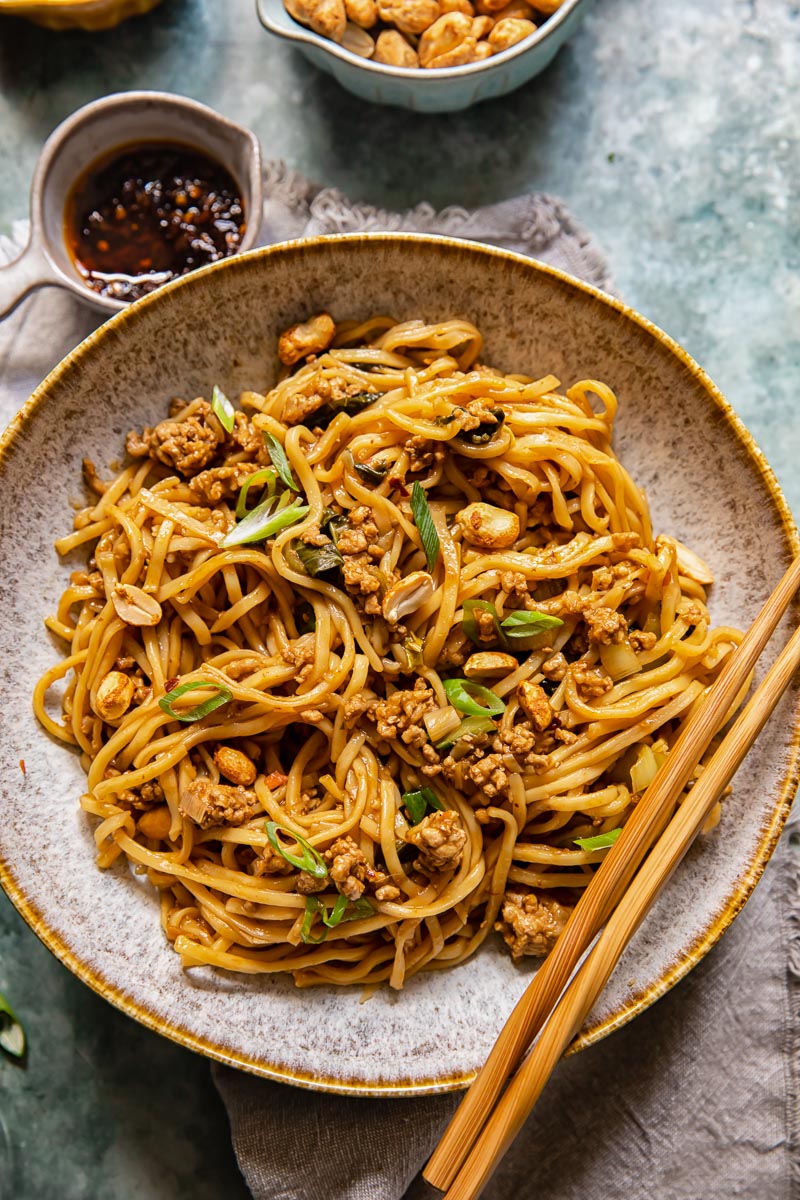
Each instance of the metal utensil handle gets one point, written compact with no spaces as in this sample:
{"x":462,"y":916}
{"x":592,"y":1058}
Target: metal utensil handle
{"x":26,"y":273}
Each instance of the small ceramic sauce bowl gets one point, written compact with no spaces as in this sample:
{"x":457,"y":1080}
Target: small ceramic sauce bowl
{"x":448,"y":89}
{"x":124,"y":119}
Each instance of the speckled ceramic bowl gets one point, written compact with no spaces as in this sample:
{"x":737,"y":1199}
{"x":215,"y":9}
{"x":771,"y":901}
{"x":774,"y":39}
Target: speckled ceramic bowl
{"x":447,"y":90}
{"x":707,"y":483}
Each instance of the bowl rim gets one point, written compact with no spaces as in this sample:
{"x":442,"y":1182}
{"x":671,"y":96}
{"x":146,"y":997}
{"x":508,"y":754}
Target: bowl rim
{"x":407,"y":74}
{"x":770,"y":830}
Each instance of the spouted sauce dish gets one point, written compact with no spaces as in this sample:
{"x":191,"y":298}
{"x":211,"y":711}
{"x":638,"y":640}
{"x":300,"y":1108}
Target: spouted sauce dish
{"x":149,"y":213}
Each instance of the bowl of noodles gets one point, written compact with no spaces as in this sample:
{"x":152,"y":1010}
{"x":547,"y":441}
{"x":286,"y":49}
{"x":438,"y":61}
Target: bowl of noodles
{"x":372,"y":611}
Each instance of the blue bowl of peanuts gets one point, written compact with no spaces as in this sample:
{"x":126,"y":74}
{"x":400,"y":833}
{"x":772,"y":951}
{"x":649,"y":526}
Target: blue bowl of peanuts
{"x":426,"y":55}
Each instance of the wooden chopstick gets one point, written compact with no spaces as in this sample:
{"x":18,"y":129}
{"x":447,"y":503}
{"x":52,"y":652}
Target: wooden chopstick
{"x":578,"y":999}
{"x":606,"y":889}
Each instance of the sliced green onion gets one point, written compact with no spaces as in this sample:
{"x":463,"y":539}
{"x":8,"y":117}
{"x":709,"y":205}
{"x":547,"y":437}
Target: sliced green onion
{"x":222,"y":409}
{"x":525,"y":624}
{"x":265,"y":475}
{"x":424,"y":523}
{"x":645,"y":768}
{"x":417,"y":803}
{"x":470,"y":625}
{"x":473,"y":698}
{"x":319,"y":560}
{"x":280,"y":461}
{"x":338,"y":914}
{"x":310,"y":861}
{"x":264,"y":520}
{"x":473,"y":725}
{"x":202,"y":710}
{"x":601,"y":842}
{"x":413,"y":648}
{"x":312,"y":908}
{"x":12,"y":1035}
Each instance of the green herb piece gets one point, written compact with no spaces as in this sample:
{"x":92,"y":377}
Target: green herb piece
{"x":202,"y":710}
{"x":222,"y":409}
{"x":309,"y":861}
{"x":333,"y":523}
{"x":484,"y":433}
{"x":424,"y":523}
{"x":413,"y":647}
{"x":265,"y":475}
{"x":473,"y":698}
{"x":469,"y":622}
{"x":319,"y":560}
{"x":525,"y":624}
{"x":337,"y":915}
{"x":351,"y":405}
{"x":601,"y":842}
{"x":472,"y":725}
{"x":266,"y":519}
{"x":417,"y":803}
{"x":306,"y":619}
{"x":12,"y":1035}
{"x":280,"y":461}
{"x":370,"y":474}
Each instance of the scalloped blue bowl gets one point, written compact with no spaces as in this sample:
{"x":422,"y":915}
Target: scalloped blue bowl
{"x":448,"y":90}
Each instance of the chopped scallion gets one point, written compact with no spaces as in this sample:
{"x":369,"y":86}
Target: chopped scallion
{"x":600,"y":842}
{"x":424,"y":523}
{"x":524,"y":624}
{"x":337,"y":915}
{"x":473,"y":698}
{"x":470,"y":725}
{"x":470,"y":625}
{"x":202,"y":710}
{"x":417,"y":803}
{"x":222,"y":409}
{"x":309,"y":861}
{"x":266,"y":519}
{"x":266,"y":475}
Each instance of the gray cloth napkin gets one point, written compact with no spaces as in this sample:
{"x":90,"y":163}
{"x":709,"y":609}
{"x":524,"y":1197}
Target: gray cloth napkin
{"x":698,"y":1098}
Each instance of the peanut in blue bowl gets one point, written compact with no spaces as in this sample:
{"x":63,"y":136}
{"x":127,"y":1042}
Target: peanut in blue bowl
{"x":445,"y":89}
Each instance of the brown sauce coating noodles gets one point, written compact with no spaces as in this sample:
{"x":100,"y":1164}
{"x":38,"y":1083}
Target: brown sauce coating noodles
{"x":453,"y":649}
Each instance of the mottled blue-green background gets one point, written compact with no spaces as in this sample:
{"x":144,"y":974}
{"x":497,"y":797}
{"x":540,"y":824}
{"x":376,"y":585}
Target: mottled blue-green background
{"x":671,"y":131}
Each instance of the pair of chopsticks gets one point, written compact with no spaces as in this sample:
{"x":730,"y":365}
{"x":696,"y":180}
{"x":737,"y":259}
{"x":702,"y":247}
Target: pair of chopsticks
{"x":555,"y":1004}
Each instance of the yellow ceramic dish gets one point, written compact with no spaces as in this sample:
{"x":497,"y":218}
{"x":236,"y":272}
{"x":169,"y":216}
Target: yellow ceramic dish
{"x":76,"y":14}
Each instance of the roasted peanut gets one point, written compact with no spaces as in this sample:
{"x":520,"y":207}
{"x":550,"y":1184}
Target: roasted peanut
{"x":548,"y":7}
{"x":486,"y":526}
{"x":362,"y":12}
{"x":489,"y":664}
{"x":135,"y":606}
{"x":534,"y":703}
{"x":443,"y":36}
{"x":393,"y":49}
{"x":326,"y":17}
{"x":407,"y":596}
{"x":482,"y":50}
{"x":691,"y":565}
{"x":156,"y":823}
{"x":113,"y":696}
{"x":410,"y":16}
{"x":316,"y":334}
{"x":464,"y":52}
{"x":481,"y":26}
{"x":462,"y":6}
{"x":508,"y":32}
{"x":235,"y":765}
{"x":517,"y":8}
{"x":358,"y":41}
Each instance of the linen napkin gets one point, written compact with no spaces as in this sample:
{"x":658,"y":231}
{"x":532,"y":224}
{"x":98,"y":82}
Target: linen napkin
{"x":698,"y":1099}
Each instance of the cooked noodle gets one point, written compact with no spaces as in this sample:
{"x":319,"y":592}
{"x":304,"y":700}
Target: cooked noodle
{"x":327,"y":646}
